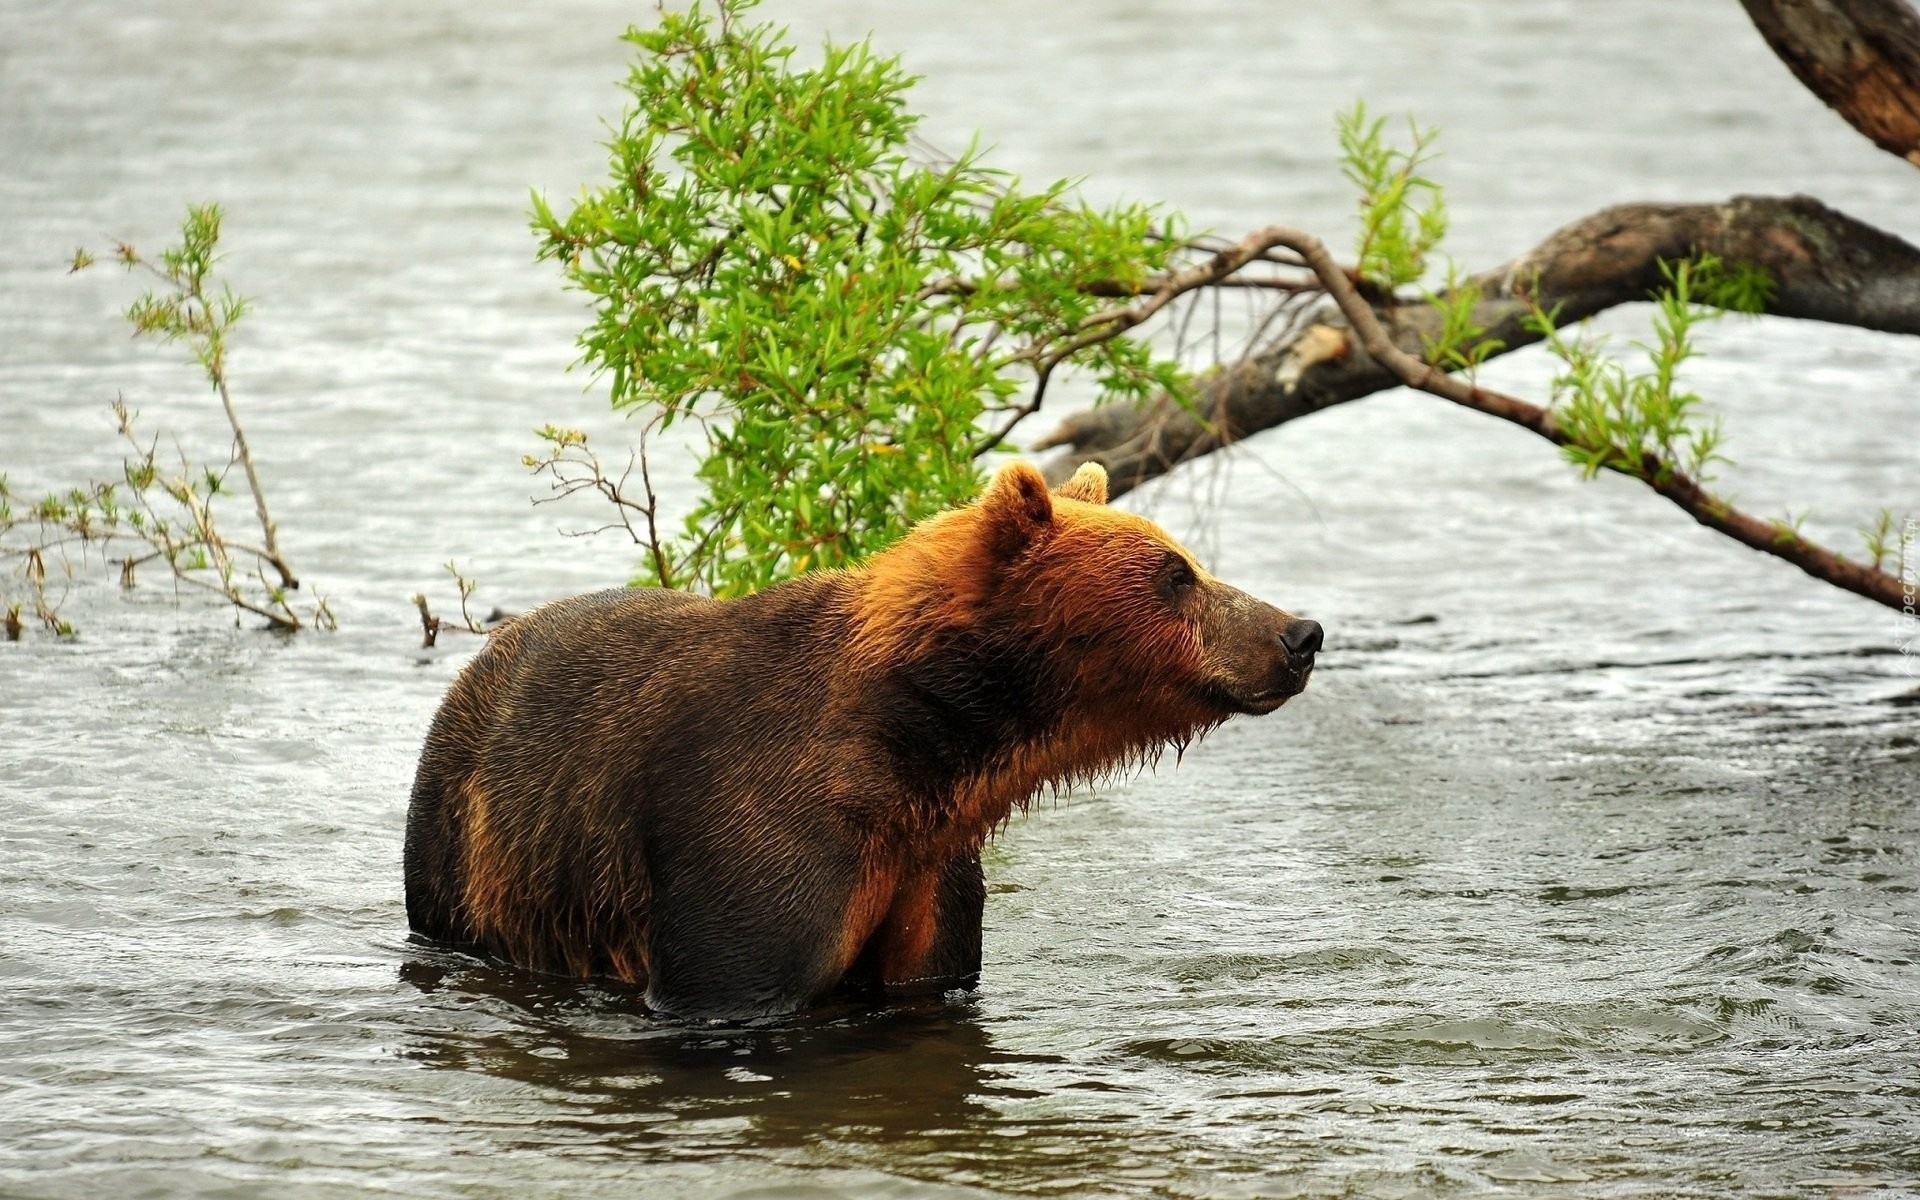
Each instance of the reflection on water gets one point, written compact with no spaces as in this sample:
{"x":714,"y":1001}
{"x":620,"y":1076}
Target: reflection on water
{"x":1585,"y":868}
{"x":894,"y":1074}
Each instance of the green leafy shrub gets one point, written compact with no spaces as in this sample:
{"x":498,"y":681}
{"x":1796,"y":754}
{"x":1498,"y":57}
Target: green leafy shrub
{"x":847,"y":325}
{"x":164,"y":512}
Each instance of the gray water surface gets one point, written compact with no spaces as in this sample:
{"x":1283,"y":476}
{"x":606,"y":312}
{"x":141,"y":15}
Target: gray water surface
{"x":1586,"y":867}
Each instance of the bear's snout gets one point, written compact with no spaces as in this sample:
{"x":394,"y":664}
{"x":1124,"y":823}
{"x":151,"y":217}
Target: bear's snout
{"x":1262,"y":656}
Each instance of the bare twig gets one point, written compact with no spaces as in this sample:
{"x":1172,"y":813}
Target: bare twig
{"x":1111,"y":323}
{"x":429,"y":624}
{"x":574,"y":467}
{"x":269,"y":533}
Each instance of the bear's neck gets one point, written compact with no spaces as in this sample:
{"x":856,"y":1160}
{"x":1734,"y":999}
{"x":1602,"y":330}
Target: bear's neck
{"x":974,"y":711}
{"x":963,"y":702}
{"x":977,"y":723}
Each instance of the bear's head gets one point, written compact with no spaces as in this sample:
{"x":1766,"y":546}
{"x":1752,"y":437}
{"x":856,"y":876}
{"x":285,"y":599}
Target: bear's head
{"x":1094,"y":621}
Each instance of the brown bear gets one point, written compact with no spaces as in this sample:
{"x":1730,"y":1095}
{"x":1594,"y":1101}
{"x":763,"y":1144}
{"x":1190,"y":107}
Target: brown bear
{"x":744,"y":805}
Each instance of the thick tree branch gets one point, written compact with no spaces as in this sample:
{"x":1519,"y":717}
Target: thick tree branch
{"x":1861,"y":57}
{"x":1825,"y":265}
{"x":1665,"y":478}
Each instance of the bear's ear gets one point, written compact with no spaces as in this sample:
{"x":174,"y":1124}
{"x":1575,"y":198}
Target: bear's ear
{"x":1089,"y":484}
{"x":1016,"y":506}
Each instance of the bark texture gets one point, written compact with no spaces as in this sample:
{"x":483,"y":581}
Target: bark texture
{"x":1826,"y":266}
{"x":1861,"y":57}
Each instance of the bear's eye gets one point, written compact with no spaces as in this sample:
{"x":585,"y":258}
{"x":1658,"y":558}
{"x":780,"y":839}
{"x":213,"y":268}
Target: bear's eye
{"x":1180,"y":579}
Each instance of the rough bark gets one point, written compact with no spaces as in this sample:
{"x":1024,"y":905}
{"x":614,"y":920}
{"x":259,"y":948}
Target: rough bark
{"x":1860,"y":57}
{"x":1826,"y":266}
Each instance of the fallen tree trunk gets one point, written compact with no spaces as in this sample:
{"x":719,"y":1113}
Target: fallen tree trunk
{"x":1825,"y":266}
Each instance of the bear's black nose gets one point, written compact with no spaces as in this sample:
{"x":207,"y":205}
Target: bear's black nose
{"x":1301,"y":638}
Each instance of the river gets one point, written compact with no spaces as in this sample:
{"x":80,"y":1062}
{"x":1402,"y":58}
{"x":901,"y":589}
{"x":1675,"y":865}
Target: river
{"x":1586,"y":866}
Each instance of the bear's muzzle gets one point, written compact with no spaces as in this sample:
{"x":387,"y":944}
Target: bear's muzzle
{"x":1261,"y":656}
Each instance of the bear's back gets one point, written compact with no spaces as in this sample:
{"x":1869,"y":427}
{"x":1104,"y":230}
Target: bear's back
{"x":605,"y":745}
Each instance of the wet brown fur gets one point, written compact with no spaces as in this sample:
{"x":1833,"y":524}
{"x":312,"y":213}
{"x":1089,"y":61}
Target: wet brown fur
{"x":742,"y":804}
